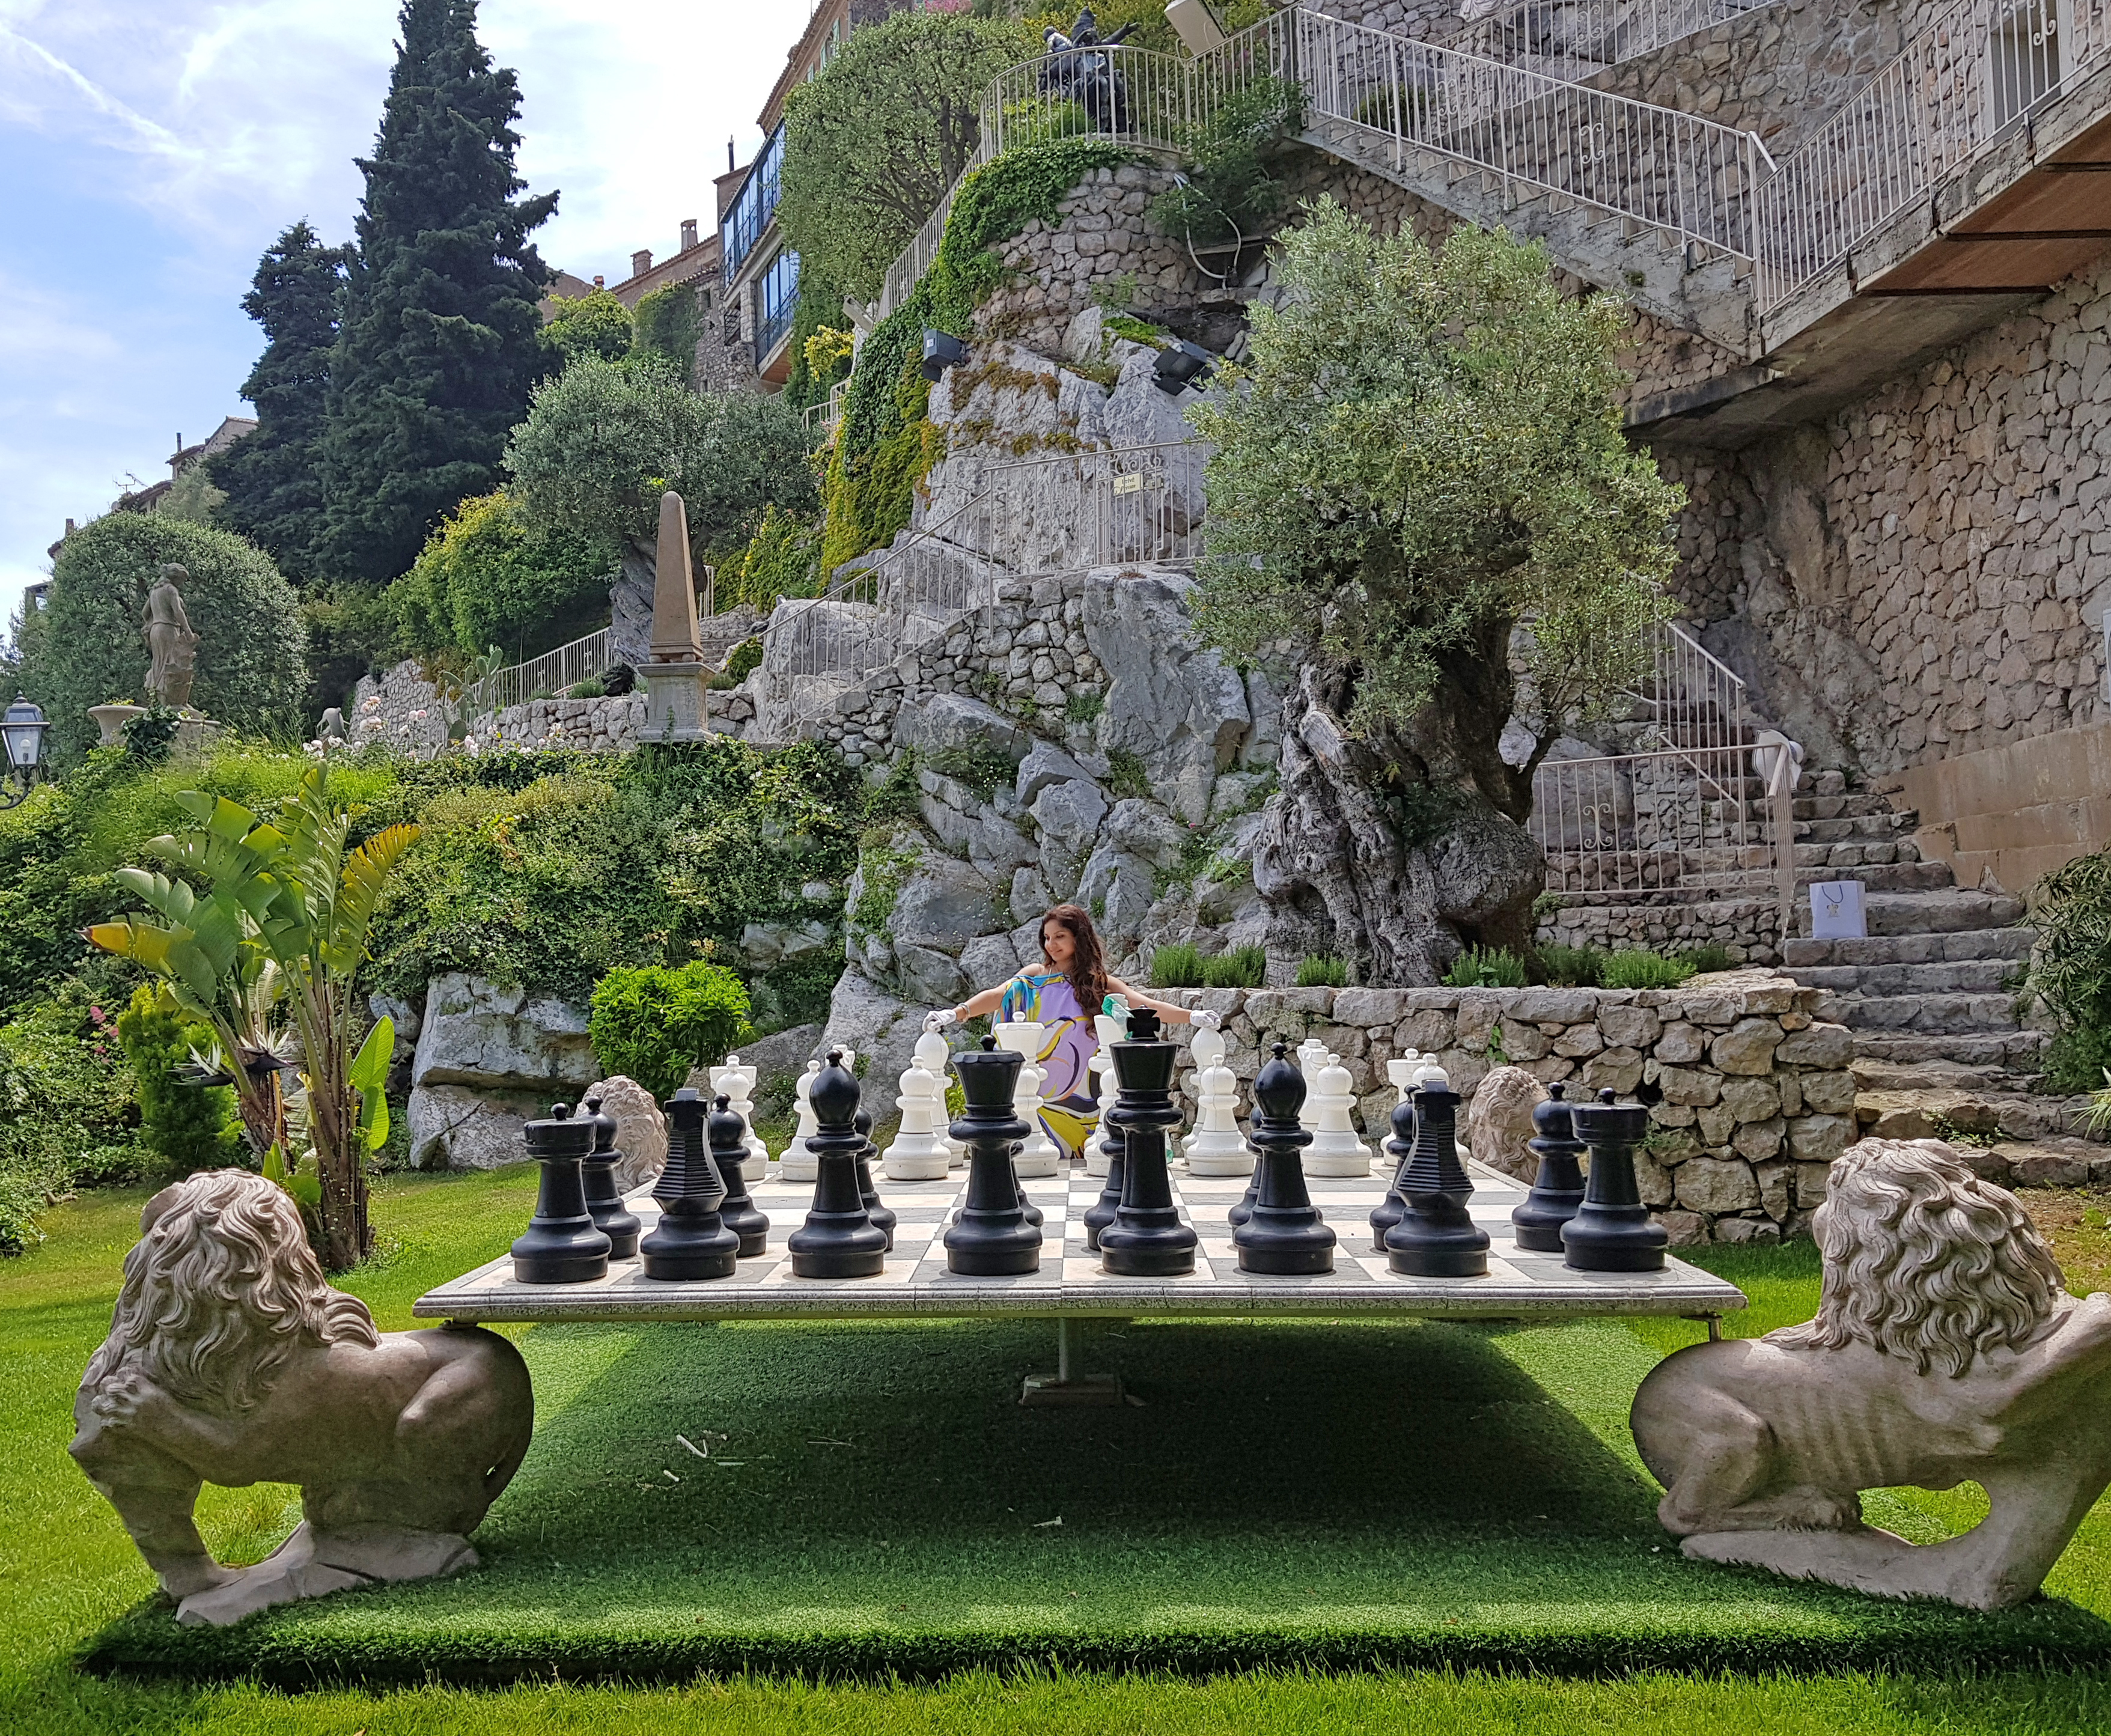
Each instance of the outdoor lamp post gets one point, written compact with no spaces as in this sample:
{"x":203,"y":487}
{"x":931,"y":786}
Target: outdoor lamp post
{"x":23,"y":727}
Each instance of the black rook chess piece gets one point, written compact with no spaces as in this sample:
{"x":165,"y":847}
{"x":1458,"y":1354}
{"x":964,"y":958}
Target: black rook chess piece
{"x":991,"y":1236}
{"x":561,"y":1245}
{"x":691,"y":1240}
{"x":1114,"y":1147}
{"x":882,"y":1218}
{"x":611,"y":1217}
{"x":1612,"y":1230}
{"x":837,"y":1240}
{"x":1400,"y":1148}
{"x":1147,"y":1238}
{"x":1285,"y":1234}
{"x":1557,"y":1187}
{"x":1435,"y":1238}
{"x":739,"y":1213}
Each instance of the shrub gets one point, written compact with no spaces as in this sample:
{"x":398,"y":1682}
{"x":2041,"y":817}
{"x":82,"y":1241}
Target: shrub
{"x":188,"y":1127}
{"x":1178,"y":967}
{"x":778,"y":562}
{"x":2070,"y":970}
{"x":654,"y":1024}
{"x":745,"y":659}
{"x":595,"y":323}
{"x":1322,"y":971}
{"x":1128,"y":779}
{"x":1572,"y":967}
{"x":66,"y":1111}
{"x":667,"y":323}
{"x":982,"y":767}
{"x":485,"y":578}
{"x":1230,"y":193}
{"x":1241,"y":967}
{"x":592,"y":688}
{"x":1486,"y":967}
{"x":1711,"y":955}
{"x":1639,"y":968}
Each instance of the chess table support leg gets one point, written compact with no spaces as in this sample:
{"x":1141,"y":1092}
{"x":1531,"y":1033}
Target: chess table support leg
{"x":1065,"y":1387}
{"x":1715,"y":1324}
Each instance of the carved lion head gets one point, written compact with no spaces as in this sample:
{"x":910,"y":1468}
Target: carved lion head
{"x":1924,"y":1260}
{"x":220,"y":1290}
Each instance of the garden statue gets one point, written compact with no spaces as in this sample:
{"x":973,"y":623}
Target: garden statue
{"x":331,"y":731}
{"x":171,"y":641}
{"x":230,"y":1360}
{"x":640,"y":1130}
{"x":1079,"y":69}
{"x":1945,"y":1347}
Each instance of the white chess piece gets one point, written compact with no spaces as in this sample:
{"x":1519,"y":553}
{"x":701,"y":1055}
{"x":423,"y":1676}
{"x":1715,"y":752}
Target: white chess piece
{"x":917,"y":1153}
{"x":1335,"y":1149}
{"x":1216,"y":1147}
{"x":1110,"y":1032}
{"x":932,"y":1055}
{"x":736,"y":1084}
{"x":1401,"y":1071}
{"x":1311,"y":1056}
{"x":799,"y":1164}
{"x":1039,"y":1155}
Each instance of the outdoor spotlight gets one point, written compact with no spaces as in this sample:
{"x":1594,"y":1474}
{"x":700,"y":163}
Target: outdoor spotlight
{"x":1179,"y":365}
{"x":941,"y":349}
{"x":23,"y":730}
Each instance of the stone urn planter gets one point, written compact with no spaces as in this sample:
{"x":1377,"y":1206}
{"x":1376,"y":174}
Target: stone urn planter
{"x":111,"y":720}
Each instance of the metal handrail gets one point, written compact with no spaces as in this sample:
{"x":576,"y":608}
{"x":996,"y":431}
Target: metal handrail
{"x":1580,"y":37}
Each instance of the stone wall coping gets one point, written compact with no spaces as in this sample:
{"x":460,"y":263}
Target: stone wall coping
{"x":1721,"y":999}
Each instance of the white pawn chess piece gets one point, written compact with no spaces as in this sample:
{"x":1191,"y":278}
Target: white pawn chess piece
{"x":1335,"y":1149}
{"x":917,"y":1153}
{"x":1216,"y":1147}
{"x":1110,"y":1032}
{"x":1039,"y":1155}
{"x":799,"y":1164}
{"x":932,"y":1055}
{"x":736,"y":1084}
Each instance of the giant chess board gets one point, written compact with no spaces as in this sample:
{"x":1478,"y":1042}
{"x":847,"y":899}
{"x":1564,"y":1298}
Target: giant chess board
{"x":1518,"y":1284}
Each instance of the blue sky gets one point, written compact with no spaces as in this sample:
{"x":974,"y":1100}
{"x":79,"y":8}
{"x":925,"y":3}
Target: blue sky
{"x":149,"y":152}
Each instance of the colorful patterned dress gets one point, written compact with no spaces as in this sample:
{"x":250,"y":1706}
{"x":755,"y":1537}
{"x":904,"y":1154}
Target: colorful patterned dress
{"x":1068,"y":1043}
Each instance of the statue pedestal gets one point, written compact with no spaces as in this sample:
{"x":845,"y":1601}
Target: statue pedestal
{"x":675,"y":701}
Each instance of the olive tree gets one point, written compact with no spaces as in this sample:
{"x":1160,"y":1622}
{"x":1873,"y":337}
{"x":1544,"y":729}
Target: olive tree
{"x":1421,"y":486}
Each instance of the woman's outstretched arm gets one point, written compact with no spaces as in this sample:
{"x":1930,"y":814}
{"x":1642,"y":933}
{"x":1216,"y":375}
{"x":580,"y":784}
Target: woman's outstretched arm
{"x":1165,"y":1010}
{"x":976,"y":1005}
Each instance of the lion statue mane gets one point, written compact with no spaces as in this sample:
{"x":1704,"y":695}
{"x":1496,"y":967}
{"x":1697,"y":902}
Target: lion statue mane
{"x":1945,"y":1347}
{"x":231,"y":1361}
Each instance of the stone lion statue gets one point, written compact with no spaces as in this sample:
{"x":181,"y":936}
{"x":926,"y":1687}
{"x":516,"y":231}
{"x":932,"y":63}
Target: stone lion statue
{"x":640,"y":1130}
{"x":1945,"y":1347}
{"x":230,"y":1360}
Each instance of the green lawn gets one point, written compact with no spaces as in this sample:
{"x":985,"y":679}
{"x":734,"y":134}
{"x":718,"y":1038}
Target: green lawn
{"x":1425,"y":1495}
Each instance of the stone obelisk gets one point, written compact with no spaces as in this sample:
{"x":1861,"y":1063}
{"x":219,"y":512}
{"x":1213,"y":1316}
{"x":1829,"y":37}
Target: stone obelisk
{"x":676,"y":673}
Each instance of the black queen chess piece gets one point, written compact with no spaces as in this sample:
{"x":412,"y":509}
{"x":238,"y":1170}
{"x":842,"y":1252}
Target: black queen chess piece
{"x":1612,"y":1230}
{"x":991,"y":1236}
{"x":691,"y":1242}
{"x":1436,"y":1237}
{"x":562,"y":1244}
{"x":838,"y":1238}
{"x":738,"y":1212}
{"x":1557,"y":1187}
{"x":611,"y":1217}
{"x":1147,"y":1238}
{"x":1283,"y":1235}
{"x":1400,"y":1148}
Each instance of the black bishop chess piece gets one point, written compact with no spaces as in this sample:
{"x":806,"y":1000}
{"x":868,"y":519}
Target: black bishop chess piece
{"x":991,"y":1236}
{"x":1147,"y":1238}
{"x":838,"y":1238}
{"x":1557,"y":1187}
{"x":691,"y":1242}
{"x":1400,"y":1148}
{"x":1612,"y":1230}
{"x":1114,"y":1147}
{"x":611,"y":1217}
{"x":562,"y":1244}
{"x":882,"y":1217}
{"x":1284,"y":1236}
{"x":738,"y":1213}
{"x":1434,"y":1237}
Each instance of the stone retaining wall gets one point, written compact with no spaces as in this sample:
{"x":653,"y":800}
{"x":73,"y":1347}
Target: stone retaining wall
{"x":1748,"y":927}
{"x":613,"y":724}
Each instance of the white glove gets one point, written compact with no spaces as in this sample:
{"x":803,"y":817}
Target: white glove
{"x":1210,"y":1022}
{"x":938,"y":1021}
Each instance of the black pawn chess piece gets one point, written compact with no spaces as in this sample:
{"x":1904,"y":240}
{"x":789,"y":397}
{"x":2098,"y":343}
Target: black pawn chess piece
{"x":991,"y":1236}
{"x":837,"y":1240}
{"x":1285,"y":1235}
{"x":1114,"y":1147}
{"x":1557,"y":1187}
{"x":1612,"y":1230}
{"x":611,"y":1217}
{"x":562,"y":1244}
{"x":1434,"y":1237}
{"x":691,"y":1241}
{"x":881,"y":1217}
{"x":739,"y":1213}
{"x":1400,"y":1148}
{"x":1147,"y":1238}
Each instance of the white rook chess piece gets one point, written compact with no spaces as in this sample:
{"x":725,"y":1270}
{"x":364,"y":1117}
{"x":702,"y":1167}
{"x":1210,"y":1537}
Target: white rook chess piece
{"x":917,"y":1153}
{"x":1216,"y":1147}
{"x":1110,"y":1032}
{"x":799,"y":1164}
{"x":1040,"y":1155}
{"x":1335,"y":1149}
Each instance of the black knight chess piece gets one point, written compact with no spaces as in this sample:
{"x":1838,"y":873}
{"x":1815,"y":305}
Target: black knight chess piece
{"x":729,"y":1152}
{"x":838,"y":1239}
{"x":691,"y":1242}
{"x":562,"y":1244}
{"x":1612,"y":1230}
{"x":990,"y":1236}
{"x":1557,"y":1187}
{"x":1434,"y":1237}
{"x":611,"y":1217}
{"x":1284,"y":1236}
{"x":1147,"y":1238}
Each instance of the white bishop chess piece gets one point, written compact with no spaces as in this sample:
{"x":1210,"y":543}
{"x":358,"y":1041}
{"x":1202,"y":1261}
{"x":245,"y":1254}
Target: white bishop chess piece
{"x":1216,"y":1147}
{"x":1039,"y":1155}
{"x":1109,"y":1031}
{"x":1335,"y":1149}
{"x":917,"y":1153}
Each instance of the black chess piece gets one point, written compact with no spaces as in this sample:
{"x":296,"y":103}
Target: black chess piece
{"x":837,"y":1240}
{"x":1285,"y":1235}
{"x":1434,"y":1237}
{"x":1557,"y":1187}
{"x":562,"y":1244}
{"x":883,"y":1218}
{"x":1612,"y":1230}
{"x":739,"y":1213}
{"x":1147,"y":1238}
{"x":1114,"y":1147}
{"x":691,"y":1241}
{"x":991,"y":1236}
{"x":1400,"y":1148}
{"x":611,"y":1217}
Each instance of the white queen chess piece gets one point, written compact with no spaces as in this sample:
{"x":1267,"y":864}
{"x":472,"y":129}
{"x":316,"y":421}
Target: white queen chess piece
{"x":1335,"y":1149}
{"x":1216,"y":1147}
{"x":1039,"y":1155}
{"x":917,"y":1153}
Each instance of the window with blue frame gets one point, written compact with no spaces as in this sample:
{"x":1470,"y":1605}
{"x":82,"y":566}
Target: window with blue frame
{"x":756,"y":204}
{"x":780,"y":304}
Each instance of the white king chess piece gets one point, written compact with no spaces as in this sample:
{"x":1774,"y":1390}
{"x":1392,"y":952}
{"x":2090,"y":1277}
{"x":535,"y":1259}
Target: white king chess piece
{"x":1039,"y":1155}
{"x":1335,"y":1149}
{"x":932,"y":1056}
{"x":800,"y":1164}
{"x":1109,"y":1031}
{"x":1216,"y":1147}
{"x":917,"y":1153}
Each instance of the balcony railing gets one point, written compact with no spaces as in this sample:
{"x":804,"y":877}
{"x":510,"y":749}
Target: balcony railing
{"x":776,"y":304}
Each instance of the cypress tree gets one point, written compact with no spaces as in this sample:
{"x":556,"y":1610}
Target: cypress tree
{"x":275,"y":495}
{"x":438,"y":348}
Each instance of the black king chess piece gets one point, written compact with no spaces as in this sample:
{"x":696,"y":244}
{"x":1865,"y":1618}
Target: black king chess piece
{"x":838,"y":1239}
{"x":1400,"y":1148}
{"x":1284,"y":1235}
{"x":561,"y":1245}
{"x":1147,"y":1238}
{"x":992,"y":1237}
{"x":691,"y":1241}
{"x":611,"y":1217}
{"x":1612,"y":1230}
{"x":1435,"y":1238}
{"x":1114,"y":1147}
{"x":1557,"y":1187}
{"x":883,"y":1218}
{"x":738,"y":1213}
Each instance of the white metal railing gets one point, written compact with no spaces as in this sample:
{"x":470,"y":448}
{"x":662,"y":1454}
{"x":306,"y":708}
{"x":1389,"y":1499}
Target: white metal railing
{"x":826,"y":418}
{"x":1575,"y":39}
{"x":552,"y":672}
{"x":1692,"y":699}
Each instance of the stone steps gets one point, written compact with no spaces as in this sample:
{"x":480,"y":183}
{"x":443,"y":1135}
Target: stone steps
{"x":1946,"y":977}
{"x":2011,"y":944}
{"x":1928,"y":1015}
{"x":2013,"y":1051}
